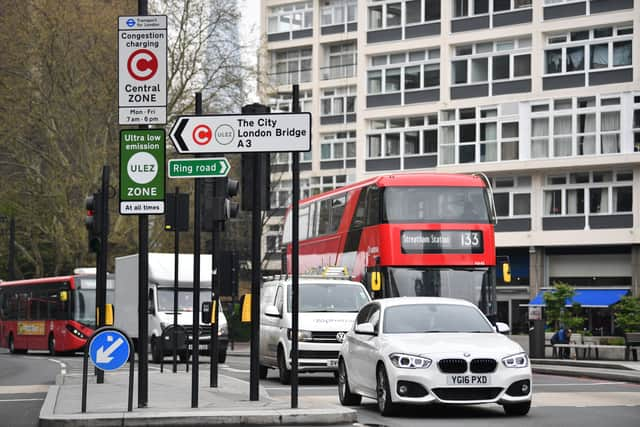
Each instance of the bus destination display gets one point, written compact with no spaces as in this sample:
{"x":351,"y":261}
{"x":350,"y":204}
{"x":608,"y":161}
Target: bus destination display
{"x":441,"y":241}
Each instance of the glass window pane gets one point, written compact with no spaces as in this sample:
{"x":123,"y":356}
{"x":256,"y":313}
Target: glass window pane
{"x":467,"y":133}
{"x":392,"y":80}
{"x":467,"y":153}
{"x":459,"y":72}
{"x":392,"y":144}
{"x":553,"y":61}
{"x":521,"y":204}
{"x":622,"y":199}
{"x":510,"y":130}
{"x":325,"y":151}
{"x":374,"y":82}
{"x":413,"y":12}
{"x":575,"y":201}
{"x":553,"y":202}
{"x":394,"y":14}
{"x":375,"y":17}
{"x":499,"y":5}
{"x":521,"y":65}
{"x":432,"y":10}
{"x":509,"y":150}
{"x":599,"y":56}
{"x":412,"y":77}
{"x":622,"y":53}
{"x":479,"y":70}
{"x":411,"y":143}
{"x":431,"y":75}
{"x":500,"y":67}
{"x":480,"y":6}
{"x":374,"y":145}
{"x":575,"y":58}
{"x":598,"y":200}
{"x":430,"y":138}
{"x":502,"y":203}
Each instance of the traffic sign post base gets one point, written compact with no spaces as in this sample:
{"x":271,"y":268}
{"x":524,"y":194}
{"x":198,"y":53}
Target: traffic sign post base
{"x":109,"y":349}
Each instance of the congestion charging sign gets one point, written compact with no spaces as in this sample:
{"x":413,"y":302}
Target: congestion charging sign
{"x":142,"y":70}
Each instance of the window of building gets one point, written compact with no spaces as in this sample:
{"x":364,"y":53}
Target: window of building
{"x":512,"y":196}
{"x":336,"y":101}
{"x":338,"y":146}
{"x":403,"y":71}
{"x":636,"y":122}
{"x":493,"y":61}
{"x":290,"y":17}
{"x":464,"y":8}
{"x":281,"y":102}
{"x":591,"y":193}
{"x":594,"y":49}
{"x":406,"y":137}
{"x":340,"y":60}
{"x":334,"y":12}
{"x":291,"y":66}
{"x":486,"y":134}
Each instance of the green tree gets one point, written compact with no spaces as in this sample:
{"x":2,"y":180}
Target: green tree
{"x":627,"y":314}
{"x":557,"y":313}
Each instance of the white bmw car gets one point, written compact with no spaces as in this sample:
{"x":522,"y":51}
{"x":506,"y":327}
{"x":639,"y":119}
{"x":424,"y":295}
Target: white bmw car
{"x":423,"y":350}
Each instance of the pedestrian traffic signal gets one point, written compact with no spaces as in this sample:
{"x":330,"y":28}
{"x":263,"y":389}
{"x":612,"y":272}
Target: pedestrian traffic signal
{"x":93,"y":220}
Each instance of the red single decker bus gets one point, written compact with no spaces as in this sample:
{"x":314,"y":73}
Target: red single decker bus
{"x":57,"y":314}
{"x":418,"y":234}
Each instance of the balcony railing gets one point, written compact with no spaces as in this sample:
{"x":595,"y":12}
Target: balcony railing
{"x":290,"y":77}
{"x":338,"y":71}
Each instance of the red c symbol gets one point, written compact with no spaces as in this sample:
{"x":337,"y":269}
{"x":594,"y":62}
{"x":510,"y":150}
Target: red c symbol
{"x":142,"y":64}
{"x":202,"y":134}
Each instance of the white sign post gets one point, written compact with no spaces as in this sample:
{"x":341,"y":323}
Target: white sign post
{"x":142,"y":70}
{"x":242,"y":133}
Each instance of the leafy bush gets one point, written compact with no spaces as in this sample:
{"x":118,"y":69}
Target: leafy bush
{"x":557,"y":313}
{"x":627,"y":314}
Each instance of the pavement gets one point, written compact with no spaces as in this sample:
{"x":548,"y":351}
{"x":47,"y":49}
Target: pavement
{"x":169,"y":399}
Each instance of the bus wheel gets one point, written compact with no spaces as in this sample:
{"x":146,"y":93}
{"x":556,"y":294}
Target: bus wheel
{"x":156,"y":357}
{"x":12,"y":347}
{"x":52,"y":345}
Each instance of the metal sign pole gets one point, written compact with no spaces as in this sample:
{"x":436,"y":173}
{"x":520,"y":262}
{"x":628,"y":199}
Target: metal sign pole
{"x":195,"y":342}
{"x":295,"y":182}
{"x":176,"y":246}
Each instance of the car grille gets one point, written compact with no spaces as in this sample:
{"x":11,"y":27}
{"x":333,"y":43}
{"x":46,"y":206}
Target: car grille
{"x":317,"y":354}
{"x":467,"y":393}
{"x":453,"y":366}
{"x":325,"y":336}
{"x":483,"y":366}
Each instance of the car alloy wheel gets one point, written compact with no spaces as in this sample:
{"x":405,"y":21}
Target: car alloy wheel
{"x":383,"y":393}
{"x":344,"y":393}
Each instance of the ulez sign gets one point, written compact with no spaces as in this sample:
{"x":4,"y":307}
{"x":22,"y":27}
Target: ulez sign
{"x":142,"y":171}
{"x":199,"y":168}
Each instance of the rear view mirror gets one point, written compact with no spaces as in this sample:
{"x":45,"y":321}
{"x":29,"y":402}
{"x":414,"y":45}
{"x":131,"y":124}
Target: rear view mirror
{"x":502,"y":328}
{"x":376,"y":281}
{"x":365,"y":328}
{"x":506,"y":272}
{"x":271,"y":310}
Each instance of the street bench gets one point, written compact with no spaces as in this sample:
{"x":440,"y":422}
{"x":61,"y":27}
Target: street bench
{"x":631,"y":340}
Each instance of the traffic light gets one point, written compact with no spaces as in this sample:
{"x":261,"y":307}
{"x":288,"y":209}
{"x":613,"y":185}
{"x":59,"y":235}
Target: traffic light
{"x":93,"y":220}
{"x":231,"y":207}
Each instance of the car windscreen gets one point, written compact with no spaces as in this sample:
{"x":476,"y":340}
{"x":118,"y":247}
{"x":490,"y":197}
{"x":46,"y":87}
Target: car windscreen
{"x":185,"y":298}
{"x":421,"y":318}
{"x":323,"y":297}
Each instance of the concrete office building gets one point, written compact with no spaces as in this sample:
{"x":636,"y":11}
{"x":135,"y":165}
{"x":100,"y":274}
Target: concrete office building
{"x":541,"y":95}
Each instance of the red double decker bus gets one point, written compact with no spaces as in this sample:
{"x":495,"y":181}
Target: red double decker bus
{"x":57,"y":314}
{"x":425,"y":234}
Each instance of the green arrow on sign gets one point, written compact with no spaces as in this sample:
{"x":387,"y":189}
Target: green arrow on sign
{"x":199,"y":168}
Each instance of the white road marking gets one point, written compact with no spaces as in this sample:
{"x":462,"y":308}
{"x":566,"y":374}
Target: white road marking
{"x":20,"y":400}
{"x":63,"y":366}
{"x":24,"y":389}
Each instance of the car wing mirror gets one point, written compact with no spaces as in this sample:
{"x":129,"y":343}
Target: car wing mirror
{"x":271,"y":310}
{"x":365,"y":329}
{"x":502,"y":328}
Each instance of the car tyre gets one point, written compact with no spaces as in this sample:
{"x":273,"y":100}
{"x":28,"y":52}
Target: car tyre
{"x":52,"y":345}
{"x":517,"y":409}
{"x":285,"y":374}
{"x":264,"y":371}
{"x":383,"y":393}
{"x":12,"y":346}
{"x":222,"y":356}
{"x":344,"y":392}
{"x":184,"y":356}
{"x":156,"y":357}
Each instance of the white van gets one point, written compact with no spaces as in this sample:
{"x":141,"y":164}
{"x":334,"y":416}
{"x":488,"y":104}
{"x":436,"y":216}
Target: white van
{"x":327,"y":309}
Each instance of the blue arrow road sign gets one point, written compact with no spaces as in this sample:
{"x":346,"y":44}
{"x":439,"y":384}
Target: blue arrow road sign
{"x":109,"y":350}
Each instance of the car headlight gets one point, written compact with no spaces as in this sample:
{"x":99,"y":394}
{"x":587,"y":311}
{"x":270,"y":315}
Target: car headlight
{"x":520,"y":360}
{"x":302,"y":335}
{"x":223,"y":330}
{"x":409,"y":361}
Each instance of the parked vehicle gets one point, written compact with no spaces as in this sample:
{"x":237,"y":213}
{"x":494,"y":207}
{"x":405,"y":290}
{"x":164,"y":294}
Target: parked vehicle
{"x":161,"y":300}
{"x":423,"y":350}
{"x":327,"y":310}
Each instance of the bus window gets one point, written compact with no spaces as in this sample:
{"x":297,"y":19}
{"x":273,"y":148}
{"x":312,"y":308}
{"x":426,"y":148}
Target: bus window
{"x":373,"y":206}
{"x":361,"y":209}
{"x":324,"y":225}
{"x":337,"y":209}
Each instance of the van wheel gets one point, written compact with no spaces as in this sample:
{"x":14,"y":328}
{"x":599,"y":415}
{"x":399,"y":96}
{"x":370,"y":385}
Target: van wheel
{"x":52,"y":345}
{"x":263,"y":372}
{"x":222,"y":356}
{"x":156,"y":357}
{"x":285,"y":374}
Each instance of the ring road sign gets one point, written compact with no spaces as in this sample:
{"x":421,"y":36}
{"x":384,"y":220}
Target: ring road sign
{"x":142,"y":69}
{"x":109,"y":350}
{"x":242,"y":133}
{"x":142,"y":171}
{"x":199,"y":168}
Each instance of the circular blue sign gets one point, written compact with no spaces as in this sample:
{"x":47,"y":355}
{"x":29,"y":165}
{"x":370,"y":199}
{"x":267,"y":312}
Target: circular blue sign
{"x":131,"y":22}
{"x":109,"y":350}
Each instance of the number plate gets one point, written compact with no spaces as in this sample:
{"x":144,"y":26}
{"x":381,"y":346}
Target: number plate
{"x":468,"y":379}
{"x":332,"y":363}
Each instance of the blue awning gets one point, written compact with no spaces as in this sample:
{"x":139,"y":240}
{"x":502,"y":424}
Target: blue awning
{"x":594,"y":298}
